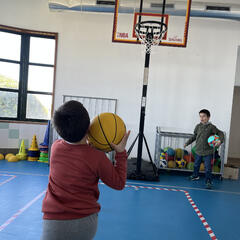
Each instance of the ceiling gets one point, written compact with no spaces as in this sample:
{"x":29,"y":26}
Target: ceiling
{"x":72,"y":3}
{"x":223,"y":9}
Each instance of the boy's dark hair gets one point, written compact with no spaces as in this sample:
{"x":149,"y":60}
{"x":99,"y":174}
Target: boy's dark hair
{"x":71,"y":121}
{"x":206,"y":112}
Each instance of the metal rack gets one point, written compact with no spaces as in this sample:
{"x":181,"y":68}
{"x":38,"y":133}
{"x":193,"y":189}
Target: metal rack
{"x":177,"y":140}
{"x":94,"y":106}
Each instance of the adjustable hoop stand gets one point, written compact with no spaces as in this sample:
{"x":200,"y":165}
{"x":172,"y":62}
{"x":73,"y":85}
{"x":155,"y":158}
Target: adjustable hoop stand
{"x":147,"y":36}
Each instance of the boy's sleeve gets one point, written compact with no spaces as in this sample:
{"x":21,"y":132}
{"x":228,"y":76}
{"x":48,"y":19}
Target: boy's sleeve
{"x":219,"y":133}
{"x":193,"y":138}
{"x":113,"y":176}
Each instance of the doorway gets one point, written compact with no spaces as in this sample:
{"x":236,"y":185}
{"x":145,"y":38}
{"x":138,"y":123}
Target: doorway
{"x":234,"y":137}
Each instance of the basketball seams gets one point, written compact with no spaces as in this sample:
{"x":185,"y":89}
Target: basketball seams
{"x":96,"y":139}
{"x":104,"y":133}
{"x":115,"y":127}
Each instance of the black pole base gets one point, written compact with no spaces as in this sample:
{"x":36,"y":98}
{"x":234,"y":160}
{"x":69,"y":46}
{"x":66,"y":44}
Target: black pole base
{"x":146,"y":173}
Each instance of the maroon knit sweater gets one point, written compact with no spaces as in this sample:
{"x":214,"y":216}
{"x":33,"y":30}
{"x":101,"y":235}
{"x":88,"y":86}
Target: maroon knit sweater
{"x":73,"y":180}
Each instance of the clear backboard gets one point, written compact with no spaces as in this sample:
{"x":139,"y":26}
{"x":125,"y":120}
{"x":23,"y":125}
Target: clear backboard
{"x":129,"y":12}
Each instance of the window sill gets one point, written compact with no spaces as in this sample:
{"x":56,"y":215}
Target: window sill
{"x":24,"y":122}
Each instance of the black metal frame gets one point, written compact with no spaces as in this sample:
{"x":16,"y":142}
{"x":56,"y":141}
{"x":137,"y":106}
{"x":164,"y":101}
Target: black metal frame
{"x":23,"y":76}
{"x":139,"y":174}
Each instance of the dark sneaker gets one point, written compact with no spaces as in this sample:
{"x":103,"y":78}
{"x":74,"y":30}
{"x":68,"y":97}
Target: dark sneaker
{"x":208,"y":184}
{"x":194,"y":178}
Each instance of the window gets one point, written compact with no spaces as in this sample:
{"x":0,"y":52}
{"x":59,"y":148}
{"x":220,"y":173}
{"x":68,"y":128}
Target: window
{"x":27,"y":70}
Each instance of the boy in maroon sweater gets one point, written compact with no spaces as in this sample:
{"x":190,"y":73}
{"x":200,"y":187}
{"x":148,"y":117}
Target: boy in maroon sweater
{"x":70,"y":208}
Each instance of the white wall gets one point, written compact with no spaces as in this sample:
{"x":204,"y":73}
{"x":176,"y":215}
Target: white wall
{"x":234,"y":138}
{"x":237,"y":77}
{"x":12,"y":134}
{"x":181,"y":81}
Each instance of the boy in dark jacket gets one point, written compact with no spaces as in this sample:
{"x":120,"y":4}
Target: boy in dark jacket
{"x":202,"y":132}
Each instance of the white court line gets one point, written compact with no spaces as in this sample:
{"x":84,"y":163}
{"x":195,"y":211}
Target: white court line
{"x":20,"y":211}
{"x":191,"y":188}
{"x":187,"y":195}
{"x":8,"y":180}
{"x":147,"y":184}
{"x":21,"y":173}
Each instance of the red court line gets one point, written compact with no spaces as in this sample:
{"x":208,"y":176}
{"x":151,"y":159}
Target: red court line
{"x":20,"y":211}
{"x":194,"y":206}
{"x":8,"y":180}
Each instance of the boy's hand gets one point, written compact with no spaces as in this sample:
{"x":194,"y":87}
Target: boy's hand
{"x":185,"y":145}
{"x":218,"y":143}
{"x":121,"y":146}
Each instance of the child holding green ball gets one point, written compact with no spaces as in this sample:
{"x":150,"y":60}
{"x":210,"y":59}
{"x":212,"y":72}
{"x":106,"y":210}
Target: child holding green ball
{"x":202,"y":132}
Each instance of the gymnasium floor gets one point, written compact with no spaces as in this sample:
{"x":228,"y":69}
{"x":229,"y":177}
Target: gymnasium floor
{"x":173,"y":208}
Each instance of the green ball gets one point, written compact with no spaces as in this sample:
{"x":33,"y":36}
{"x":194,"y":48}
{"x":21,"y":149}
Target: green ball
{"x":190,"y":166}
{"x":165,"y":149}
{"x":217,"y":162}
{"x":194,"y":151}
{"x":216,"y":168}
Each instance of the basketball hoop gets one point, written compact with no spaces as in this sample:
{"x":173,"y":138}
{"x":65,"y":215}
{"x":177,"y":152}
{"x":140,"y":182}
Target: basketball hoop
{"x":150,"y":33}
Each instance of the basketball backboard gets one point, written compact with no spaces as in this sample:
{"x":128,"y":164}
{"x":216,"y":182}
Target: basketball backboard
{"x":129,"y":12}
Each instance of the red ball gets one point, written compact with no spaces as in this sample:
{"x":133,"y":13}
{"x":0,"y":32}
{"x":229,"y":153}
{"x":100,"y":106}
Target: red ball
{"x":188,"y":158}
{"x":169,"y":158}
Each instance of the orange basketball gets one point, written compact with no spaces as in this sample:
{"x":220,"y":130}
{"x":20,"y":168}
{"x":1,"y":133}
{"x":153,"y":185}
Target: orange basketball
{"x":106,"y":128}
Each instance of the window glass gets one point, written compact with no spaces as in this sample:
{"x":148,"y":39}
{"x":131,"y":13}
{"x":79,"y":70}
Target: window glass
{"x":10,"y":46}
{"x":42,"y":50}
{"x":40,"y":78}
{"x":39,"y":106}
{"x":9,"y":75}
{"x":8,"y":104}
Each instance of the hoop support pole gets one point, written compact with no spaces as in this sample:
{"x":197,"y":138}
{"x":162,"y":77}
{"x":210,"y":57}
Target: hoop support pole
{"x":143,"y":110}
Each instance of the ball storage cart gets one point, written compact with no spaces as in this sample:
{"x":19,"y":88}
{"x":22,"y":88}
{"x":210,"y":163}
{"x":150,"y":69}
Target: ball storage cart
{"x":169,"y":147}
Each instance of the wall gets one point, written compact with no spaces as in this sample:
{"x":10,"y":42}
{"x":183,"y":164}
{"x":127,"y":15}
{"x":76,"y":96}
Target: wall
{"x":234,"y":139}
{"x":13,"y":133}
{"x":237,"y":78}
{"x":181,"y":81}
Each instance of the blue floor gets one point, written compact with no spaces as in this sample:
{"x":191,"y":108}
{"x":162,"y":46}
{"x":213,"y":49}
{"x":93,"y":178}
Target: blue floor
{"x":131,"y":214}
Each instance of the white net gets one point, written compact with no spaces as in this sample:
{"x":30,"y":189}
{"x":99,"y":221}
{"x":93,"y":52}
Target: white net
{"x":150,"y":33}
